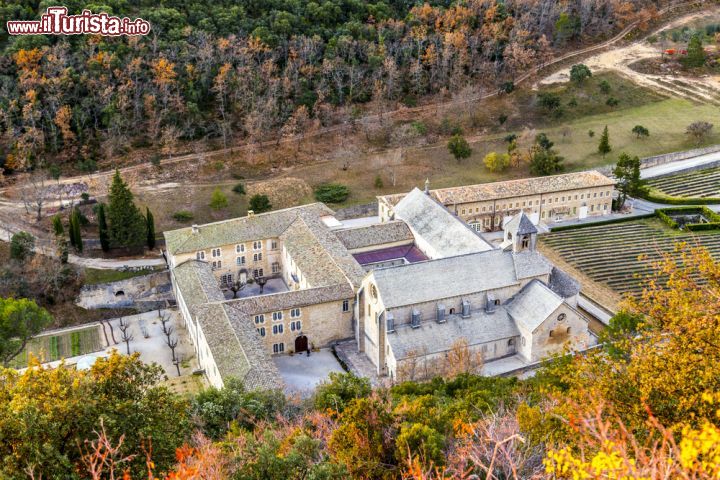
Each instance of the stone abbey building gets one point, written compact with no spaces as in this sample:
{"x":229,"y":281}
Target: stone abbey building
{"x":406,"y":288}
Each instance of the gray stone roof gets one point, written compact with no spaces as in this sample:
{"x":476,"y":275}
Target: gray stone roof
{"x":292,"y":299}
{"x":373,"y":235}
{"x":438,"y":228}
{"x":455,"y":276}
{"x":530,"y":264}
{"x":563,"y":284}
{"x":314,"y":261}
{"x":432,"y":337}
{"x":197,"y":283}
{"x":513,"y":188}
{"x":520,"y":224}
{"x":238,"y":230}
{"x":533,"y":304}
{"x":237,"y":348}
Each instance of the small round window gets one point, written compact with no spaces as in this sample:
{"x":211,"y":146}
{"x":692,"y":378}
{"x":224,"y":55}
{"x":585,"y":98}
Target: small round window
{"x":561,"y":317}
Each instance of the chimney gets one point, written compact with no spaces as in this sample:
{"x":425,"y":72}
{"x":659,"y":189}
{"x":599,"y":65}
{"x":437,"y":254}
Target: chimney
{"x":427,"y":186}
{"x":251,"y":213}
{"x":490,"y":305}
{"x":465,"y":309}
{"x":195,"y":229}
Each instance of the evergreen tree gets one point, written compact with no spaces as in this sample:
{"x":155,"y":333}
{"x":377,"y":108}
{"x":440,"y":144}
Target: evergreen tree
{"x":627,"y":173}
{"x":604,"y":147}
{"x":695,"y":57}
{"x":150,"y":229}
{"x":459,"y":147}
{"x":76,"y":233}
{"x":218,"y":200}
{"x":58,"y":226}
{"x":127,"y":226}
{"x":103,"y":228}
{"x":544,"y":160}
{"x":71,"y":229}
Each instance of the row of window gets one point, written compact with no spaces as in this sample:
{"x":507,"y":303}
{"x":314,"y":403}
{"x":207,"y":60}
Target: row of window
{"x":278,"y":329}
{"x":277,"y":316}
{"x":240,"y":248}
{"x":505,"y":206}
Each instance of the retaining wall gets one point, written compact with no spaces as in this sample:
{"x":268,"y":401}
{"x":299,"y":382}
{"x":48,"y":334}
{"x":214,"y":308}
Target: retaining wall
{"x":146,"y":292}
{"x":670,"y":157}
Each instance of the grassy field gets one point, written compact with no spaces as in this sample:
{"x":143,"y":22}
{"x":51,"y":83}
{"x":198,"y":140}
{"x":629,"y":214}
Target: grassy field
{"x":622,"y":255}
{"x":697,"y":183}
{"x":49,"y":348}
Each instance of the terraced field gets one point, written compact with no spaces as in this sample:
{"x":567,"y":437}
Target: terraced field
{"x":609,"y":254}
{"x":49,"y":348}
{"x":697,"y":183}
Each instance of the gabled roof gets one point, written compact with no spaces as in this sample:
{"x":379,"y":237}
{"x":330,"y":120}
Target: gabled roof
{"x":451,"y":277}
{"x":238,"y":230}
{"x":432,"y":337}
{"x":434,"y":226}
{"x":532,"y":305}
{"x":197,"y":283}
{"x":372,"y":235}
{"x":520,"y":224}
{"x":563,"y":284}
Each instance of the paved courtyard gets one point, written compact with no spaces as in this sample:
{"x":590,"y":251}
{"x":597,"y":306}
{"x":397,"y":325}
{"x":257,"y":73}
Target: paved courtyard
{"x":302,"y":374}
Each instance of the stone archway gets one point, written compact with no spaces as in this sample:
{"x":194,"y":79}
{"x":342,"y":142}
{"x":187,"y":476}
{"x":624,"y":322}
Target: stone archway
{"x":301,"y":343}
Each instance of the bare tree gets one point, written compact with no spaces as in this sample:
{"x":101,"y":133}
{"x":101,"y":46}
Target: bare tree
{"x":126,"y":335}
{"x":35,"y":193}
{"x":172,"y":343}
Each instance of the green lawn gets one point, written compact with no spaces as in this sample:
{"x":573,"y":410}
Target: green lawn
{"x":49,"y":348}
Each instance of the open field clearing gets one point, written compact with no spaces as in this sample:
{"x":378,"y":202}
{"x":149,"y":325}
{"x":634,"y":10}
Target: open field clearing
{"x":621,"y":255}
{"x":49,"y":348}
{"x":697,"y":183}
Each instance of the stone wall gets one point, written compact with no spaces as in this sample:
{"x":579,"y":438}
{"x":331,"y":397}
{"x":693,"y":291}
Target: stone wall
{"x":146,"y":292}
{"x":357,"y":211}
{"x":668,"y":158}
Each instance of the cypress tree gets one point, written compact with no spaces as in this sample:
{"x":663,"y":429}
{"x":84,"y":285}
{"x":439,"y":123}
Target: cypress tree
{"x":150,"y":229}
{"x":103,"y":228}
{"x":76,"y":230}
{"x":126,"y":224}
{"x":71,"y":228}
{"x":604,"y":148}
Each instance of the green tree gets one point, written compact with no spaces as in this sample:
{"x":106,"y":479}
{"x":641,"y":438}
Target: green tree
{"x":103,"y":228}
{"x":544,"y":160}
{"x":604,"y":146}
{"x":76,"y":233}
{"x":496,"y":162}
{"x":579,"y":73}
{"x":126,"y":224}
{"x":422,"y":441}
{"x":340,"y":388}
{"x":58,"y":226}
{"x":378,"y":181}
{"x":20,"y":320}
{"x":549,"y":101}
{"x":239,"y":188}
{"x":218,"y":200}
{"x":332,"y":193}
{"x":695,"y":57}
{"x":150,"y":228}
{"x":21,"y":246}
{"x":640,"y":131}
{"x":627,"y":173}
{"x":459,"y":147}
{"x":260,"y":203}
{"x":566,"y":27}
{"x":54,"y":410}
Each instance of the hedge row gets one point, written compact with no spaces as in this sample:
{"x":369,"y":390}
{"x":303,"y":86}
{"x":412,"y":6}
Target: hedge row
{"x":602,"y":222}
{"x":714,"y":218}
{"x":665,"y":218}
{"x":653,"y":195}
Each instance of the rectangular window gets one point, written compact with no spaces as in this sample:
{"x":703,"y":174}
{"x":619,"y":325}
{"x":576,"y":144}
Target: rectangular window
{"x":275,"y":267}
{"x":216,"y":252}
{"x":216,"y":265}
{"x":261,"y":331}
{"x":257,"y":257}
{"x":278,"y":329}
{"x":296,"y":326}
{"x":257,"y":245}
{"x":226,"y":279}
{"x":239,"y":248}
{"x":200,"y":255}
{"x":273,"y":244}
{"x":259,"y":319}
{"x":258,"y":272}
{"x":278,"y":347}
{"x":240,"y":260}
{"x":294,"y":313}
{"x":277,"y":316}
{"x":463,"y":211}
{"x":346,"y":305}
